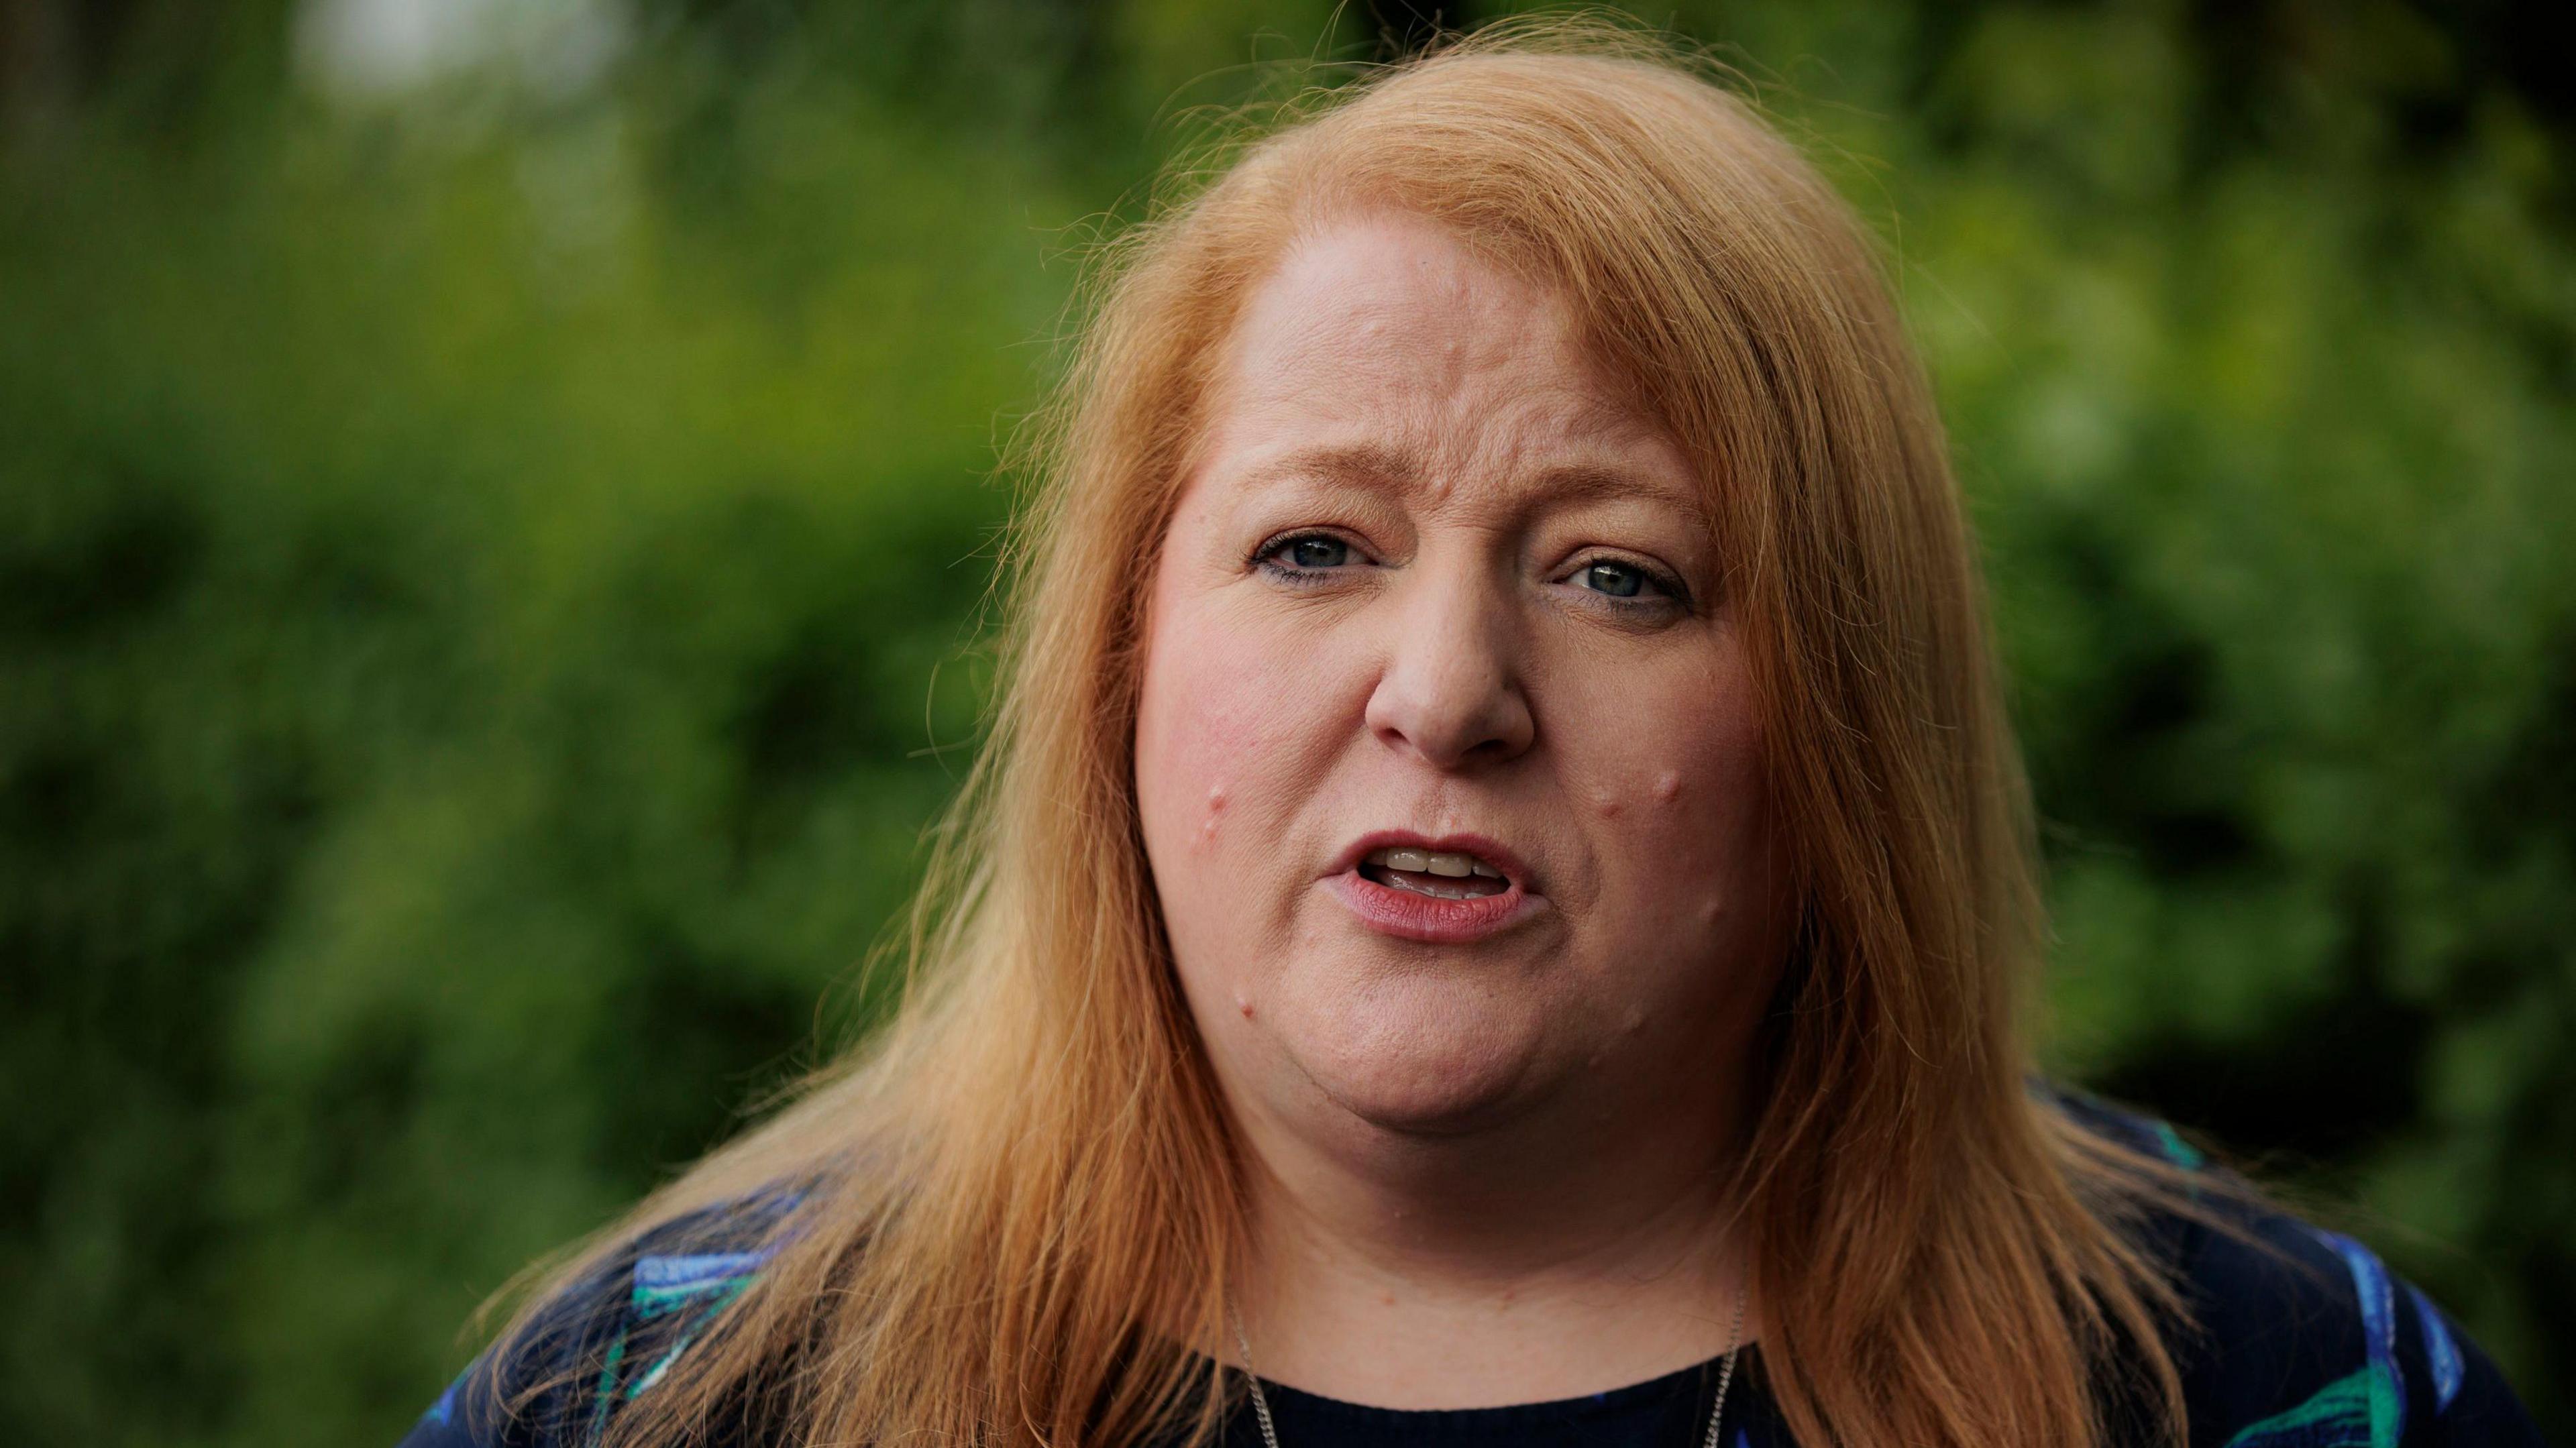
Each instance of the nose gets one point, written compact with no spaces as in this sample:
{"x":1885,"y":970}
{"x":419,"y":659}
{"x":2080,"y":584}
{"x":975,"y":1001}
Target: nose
{"x":1450,"y":691}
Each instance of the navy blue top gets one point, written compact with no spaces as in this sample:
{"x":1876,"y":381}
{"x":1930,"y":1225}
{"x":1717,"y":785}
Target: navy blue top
{"x":2317,"y":1345}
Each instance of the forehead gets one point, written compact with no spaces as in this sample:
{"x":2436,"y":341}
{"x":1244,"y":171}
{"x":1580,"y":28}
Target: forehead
{"x":1402,"y":293}
{"x":1382,"y":332}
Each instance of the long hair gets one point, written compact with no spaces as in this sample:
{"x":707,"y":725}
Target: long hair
{"x":1021,"y":1198}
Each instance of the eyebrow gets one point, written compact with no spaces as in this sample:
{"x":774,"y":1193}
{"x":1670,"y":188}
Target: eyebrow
{"x":1367,"y":465}
{"x":1586,"y":482}
{"x":1383,"y":467}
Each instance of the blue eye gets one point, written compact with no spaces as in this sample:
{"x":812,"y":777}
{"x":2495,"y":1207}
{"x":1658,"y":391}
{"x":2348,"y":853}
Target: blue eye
{"x":1317,"y":552}
{"x":1615,"y":579}
{"x":1304,"y":553}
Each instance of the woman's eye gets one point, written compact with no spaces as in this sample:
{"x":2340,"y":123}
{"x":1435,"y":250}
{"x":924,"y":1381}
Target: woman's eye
{"x":1619,"y":580}
{"x":1306,"y":553}
{"x":1318,"y":552}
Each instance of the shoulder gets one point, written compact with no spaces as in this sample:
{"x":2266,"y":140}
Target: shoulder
{"x":2302,"y":1337}
{"x":607,"y":1336}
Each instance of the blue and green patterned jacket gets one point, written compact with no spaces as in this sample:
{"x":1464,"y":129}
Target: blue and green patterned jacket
{"x":2314,"y":1344}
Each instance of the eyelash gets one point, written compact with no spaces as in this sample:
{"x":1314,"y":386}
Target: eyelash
{"x":1670,"y":589}
{"x":1263,"y":556}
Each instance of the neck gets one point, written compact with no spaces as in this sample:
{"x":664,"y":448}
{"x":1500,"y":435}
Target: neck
{"x":1563,"y":1252}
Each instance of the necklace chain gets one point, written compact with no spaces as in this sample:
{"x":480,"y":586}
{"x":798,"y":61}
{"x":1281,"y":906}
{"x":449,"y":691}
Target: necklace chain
{"x":1716,"y":1412}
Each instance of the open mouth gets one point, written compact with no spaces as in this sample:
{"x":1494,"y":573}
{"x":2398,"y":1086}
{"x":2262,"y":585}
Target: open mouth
{"x":1467,"y":891}
{"x":1440,"y":874}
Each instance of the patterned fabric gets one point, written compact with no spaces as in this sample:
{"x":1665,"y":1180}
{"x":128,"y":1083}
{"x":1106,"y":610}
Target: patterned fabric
{"x":2312,"y":1344}
{"x":2367,"y":1405}
{"x":607,"y":1340}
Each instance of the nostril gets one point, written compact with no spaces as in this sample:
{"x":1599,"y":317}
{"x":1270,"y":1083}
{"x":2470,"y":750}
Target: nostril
{"x":1451,"y":696}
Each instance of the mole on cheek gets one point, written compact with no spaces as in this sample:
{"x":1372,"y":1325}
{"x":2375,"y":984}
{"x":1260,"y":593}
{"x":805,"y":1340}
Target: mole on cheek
{"x":1215,"y":807}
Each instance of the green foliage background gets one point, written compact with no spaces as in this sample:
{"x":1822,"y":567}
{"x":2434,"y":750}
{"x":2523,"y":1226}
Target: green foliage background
{"x":488,"y":577}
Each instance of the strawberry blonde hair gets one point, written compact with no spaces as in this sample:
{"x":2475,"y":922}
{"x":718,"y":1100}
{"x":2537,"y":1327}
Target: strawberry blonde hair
{"x":1021,"y":1198}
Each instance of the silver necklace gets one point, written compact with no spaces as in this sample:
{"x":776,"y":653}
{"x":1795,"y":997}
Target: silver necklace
{"x":1716,"y":1413}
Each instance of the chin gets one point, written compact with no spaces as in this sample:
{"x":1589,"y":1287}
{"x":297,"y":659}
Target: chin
{"x":1425,"y":1059}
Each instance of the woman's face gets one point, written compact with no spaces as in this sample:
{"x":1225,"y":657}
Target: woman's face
{"x":1449,"y":769}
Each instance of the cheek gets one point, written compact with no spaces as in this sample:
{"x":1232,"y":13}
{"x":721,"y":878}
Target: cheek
{"x":1197,"y":733}
{"x":1222,"y":734}
{"x":1680,"y":807}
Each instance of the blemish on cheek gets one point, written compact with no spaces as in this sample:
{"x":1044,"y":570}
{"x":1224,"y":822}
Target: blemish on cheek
{"x":1607,"y":803}
{"x":1243,"y":1003}
{"x":1215,"y":807}
{"x":1668,"y":786}
{"x":1635,"y":1020}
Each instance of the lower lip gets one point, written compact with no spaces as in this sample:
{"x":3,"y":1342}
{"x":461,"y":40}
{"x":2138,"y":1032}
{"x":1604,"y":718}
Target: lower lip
{"x":1407,"y":915}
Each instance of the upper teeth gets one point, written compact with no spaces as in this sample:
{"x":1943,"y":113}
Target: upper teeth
{"x":1434,"y":862}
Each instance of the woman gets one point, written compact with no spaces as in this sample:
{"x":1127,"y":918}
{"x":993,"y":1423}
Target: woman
{"x":1497,"y":900}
